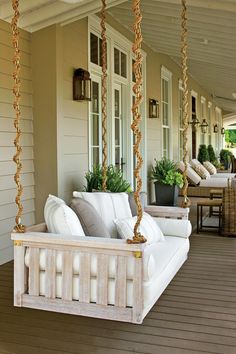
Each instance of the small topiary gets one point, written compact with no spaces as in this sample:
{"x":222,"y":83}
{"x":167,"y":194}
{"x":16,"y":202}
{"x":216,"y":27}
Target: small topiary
{"x":211,"y":153}
{"x":203,"y":153}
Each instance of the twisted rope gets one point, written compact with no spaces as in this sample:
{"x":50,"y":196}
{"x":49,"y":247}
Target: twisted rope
{"x":184,"y":46}
{"x":137,"y":68}
{"x":104,"y":96}
{"x":16,"y":105}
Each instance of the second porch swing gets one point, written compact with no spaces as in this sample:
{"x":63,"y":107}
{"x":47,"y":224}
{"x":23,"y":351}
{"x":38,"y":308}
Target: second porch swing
{"x":107,"y":278}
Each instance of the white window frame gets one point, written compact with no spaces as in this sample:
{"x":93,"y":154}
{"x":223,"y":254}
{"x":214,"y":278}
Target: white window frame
{"x":218,"y":136}
{"x":167,"y":76}
{"x":116,"y":40}
{"x":203,"y":115}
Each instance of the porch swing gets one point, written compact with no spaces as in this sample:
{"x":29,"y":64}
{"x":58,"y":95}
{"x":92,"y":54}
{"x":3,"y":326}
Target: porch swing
{"x":108,"y":278}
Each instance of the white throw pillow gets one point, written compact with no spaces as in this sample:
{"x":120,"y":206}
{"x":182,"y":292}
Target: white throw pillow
{"x":194,"y":163}
{"x":148,"y":228}
{"x":210,"y":167}
{"x":109,"y":206}
{"x":60,"y":218}
{"x":193,"y":177}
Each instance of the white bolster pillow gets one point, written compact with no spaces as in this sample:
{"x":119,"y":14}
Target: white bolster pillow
{"x":174,"y":227}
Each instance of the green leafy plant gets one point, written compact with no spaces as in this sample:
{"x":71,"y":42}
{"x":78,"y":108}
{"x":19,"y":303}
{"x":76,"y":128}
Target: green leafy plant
{"x":211,"y":153}
{"x":115,"y":181}
{"x":225,"y":155}
{"x":203,"y":153}
{"x":165,"y":171}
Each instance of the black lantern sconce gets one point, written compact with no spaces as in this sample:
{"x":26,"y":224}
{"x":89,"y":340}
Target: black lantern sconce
{"x":204,"y":126}
{"x":153,"y":108}
{"x":194,"y":122}
{"x":81,"y":85}
{"x":222,"y":131}
{"x":215,"y":128}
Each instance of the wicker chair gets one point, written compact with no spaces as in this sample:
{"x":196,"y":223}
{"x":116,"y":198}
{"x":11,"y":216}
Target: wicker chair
{"x":229,"y":212}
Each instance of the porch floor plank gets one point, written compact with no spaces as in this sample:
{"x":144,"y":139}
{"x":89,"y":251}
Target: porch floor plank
{"x":196,"y":314}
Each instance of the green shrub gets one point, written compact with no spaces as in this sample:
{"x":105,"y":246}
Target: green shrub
{"x":211,"y":153}
{"x":203,"y":153}
{"x":225,"y":155}
{"x":115,"y":181}
{"x":165,"y":172}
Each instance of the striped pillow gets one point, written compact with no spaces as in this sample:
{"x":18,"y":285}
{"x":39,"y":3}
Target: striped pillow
{"x":202,"y":171}
{"x":210,"y":168}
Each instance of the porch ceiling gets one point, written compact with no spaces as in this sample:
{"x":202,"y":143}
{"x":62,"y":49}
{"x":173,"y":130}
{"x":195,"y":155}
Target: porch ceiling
{"x":212,"y":46}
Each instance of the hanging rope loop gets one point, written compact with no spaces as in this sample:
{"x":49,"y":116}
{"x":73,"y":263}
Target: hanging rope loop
{"x":104,"y":96}
{"x":186,"y":201}
{"x":137,"y":68}
{"x":16,"y":105}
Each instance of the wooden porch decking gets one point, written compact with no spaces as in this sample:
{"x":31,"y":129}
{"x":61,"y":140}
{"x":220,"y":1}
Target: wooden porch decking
{"x":196,"y":314}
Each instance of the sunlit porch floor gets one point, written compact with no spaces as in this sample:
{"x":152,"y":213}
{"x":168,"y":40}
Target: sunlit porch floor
{"x":196,"y":314}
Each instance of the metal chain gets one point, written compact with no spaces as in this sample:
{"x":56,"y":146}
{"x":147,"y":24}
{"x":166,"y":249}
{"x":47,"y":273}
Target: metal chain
{"x":184,"y":46}
{"x":16,"y":105}
{"x":137,"y":68}
{"x":104,"y":96}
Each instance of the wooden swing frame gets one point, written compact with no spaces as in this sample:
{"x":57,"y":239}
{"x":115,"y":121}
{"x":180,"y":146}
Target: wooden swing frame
{"x":35,"y":238}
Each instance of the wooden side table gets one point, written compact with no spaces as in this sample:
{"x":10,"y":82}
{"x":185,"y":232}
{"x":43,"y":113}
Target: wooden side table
{"x":211,"y":203}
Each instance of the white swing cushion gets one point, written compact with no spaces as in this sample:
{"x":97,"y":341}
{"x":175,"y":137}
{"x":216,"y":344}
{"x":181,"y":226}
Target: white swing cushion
{"x":61,"y":219}
{"x":174,"y":227}
{"x":110,"y":206}
{"x":148,"y":228}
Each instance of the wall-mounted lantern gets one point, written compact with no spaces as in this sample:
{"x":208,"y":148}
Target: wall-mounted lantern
{"x":215,"y":128}
{"x":81,"y":85}
{"x":153,"y":108}
{"x":222,"y":131}
{"x":194,"y":122}
{"x":204,"y":126}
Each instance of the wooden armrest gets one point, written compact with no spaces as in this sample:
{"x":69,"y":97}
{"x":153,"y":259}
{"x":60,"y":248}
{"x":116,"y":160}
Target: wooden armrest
{"x":167,"y":212}
{"x":49,"y":240}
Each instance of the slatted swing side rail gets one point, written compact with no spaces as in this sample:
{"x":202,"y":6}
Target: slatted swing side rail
{"x":27,"y":288}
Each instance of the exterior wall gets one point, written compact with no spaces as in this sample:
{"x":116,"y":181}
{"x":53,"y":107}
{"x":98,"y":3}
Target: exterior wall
{"x":61,"y":137}
{"x":7,"y":135}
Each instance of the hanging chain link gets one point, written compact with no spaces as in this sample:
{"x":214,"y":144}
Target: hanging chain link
{"x":16,"y":105}
{"x":137,"y":68}
{"x":104,"y":96}
{"x":186,"y":202}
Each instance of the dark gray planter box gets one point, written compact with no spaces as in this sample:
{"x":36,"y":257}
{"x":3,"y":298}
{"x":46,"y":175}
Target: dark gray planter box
{"x":166,"y":195}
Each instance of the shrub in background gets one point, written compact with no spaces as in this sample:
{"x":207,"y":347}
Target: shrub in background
{"x":203,"y":153}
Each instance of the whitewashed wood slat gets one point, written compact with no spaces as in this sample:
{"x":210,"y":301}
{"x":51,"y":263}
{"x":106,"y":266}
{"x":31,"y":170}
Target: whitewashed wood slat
{"x":5,"y":26}
{"x":75,"y":127}
{"x":138,"y":299}
{"x":50,"y":274}
{"x":8,"y":196}
{"x":6,"y":83}
{"x":7,"y":182}
{"x":6,"y":154}
{"x":10,"y":210}
{"x":7,"y":124}
{"x":169,"y":212}
{"x":6,"y":225}
{"x":7,"y":139}
{"x":19,"y":274}
{"x":6,"y":96}
{"x":67,"y":275}
{"x":5,"y":240}
{"x":7,"y":52}
{"x":84,"y":277}
{"x":7,"y":111}
{"x":121,"y":281}
{"x":6,"y":255}
{"x":6,"y":67}
{"x":102,"y":279}
{"x":9,"y":167}
{"x":33,"y":271}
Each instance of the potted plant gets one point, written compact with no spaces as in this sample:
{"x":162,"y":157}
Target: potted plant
{"x":211,"y":154}
{"x":167,"y":181}
{"x":203,"y":154}
{"x":225,"y":158}
{"x":115,"y":181}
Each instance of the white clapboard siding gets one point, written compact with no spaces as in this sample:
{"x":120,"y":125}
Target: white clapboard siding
{"x":7,"y":135}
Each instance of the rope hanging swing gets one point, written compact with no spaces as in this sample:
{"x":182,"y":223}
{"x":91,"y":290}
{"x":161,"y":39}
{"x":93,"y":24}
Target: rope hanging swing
{"x":184,"y":46}
{"x":104,"y":96}
{"x":16,"y":105}
{"x":137,"y":68}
